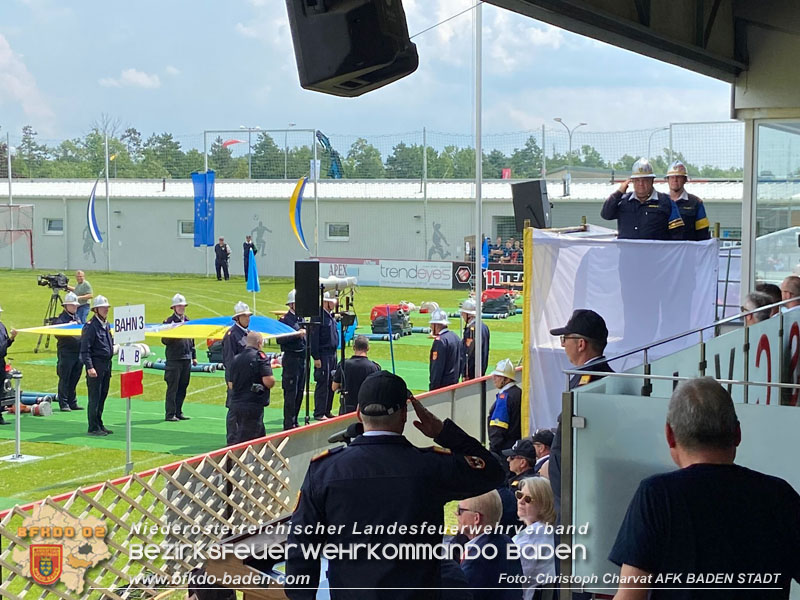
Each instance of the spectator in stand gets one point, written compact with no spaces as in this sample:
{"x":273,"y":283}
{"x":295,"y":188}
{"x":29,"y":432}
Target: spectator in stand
{"x":690,"y":521}
{"x":536,"y":509}
{"x":507,"y":250}
{"x":790,"y":288}
{"x":504,"y":415}
{"x":488,"y":578}
{"x":496,"y":250}
{"x":516,"y":252}
{"x":774,"y":293}
{"x":542,"y":441}
{"x":521,"y":461}
{"x":753,"y":301}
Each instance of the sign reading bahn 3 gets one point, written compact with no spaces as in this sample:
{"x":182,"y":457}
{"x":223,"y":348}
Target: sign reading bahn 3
{"x":128,"y":324}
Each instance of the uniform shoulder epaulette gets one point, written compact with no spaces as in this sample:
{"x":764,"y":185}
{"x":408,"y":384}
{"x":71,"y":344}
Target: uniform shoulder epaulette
{"x":328,"y":452}
{"x":261,"y":355}
{"x":438,"y":450}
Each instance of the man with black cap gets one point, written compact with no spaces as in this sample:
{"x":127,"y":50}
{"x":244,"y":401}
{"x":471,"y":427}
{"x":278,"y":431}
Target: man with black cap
{"x":584,"y":339}
{"x":542,"y":442}
{"x":382,"y":491}
{"x":521,"y":459}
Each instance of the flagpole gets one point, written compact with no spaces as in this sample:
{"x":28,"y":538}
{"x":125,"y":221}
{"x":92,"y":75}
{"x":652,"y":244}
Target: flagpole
{"x":478,"y":246}
{"x":108,"y":212}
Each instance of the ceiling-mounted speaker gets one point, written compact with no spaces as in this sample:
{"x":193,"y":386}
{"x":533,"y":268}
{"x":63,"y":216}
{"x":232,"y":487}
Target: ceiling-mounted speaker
{"x":350,"y":47}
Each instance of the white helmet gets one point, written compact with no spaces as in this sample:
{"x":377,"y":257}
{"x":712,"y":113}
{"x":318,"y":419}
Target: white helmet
{"x":678,"y":168}
{"x":468,"y":306}
{"x":241,"y":309}
{"x":439,"y":317}
{"x":290,"y":297}
{"x":99,"y":302}
{"x":330,"y":297}
{"x":178,"y":300}
{"x":641,"y":169}
{"x":70,"y":298}
{"x":505,"y":368}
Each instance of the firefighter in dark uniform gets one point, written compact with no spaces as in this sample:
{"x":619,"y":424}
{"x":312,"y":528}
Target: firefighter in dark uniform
{"x":181,"y":356}
{"x":382,"y":480}
{"x":445,"y":359}
{"x":643,"y":214}
{"x":68,"y":367}
{"x":692,"y":209}
{"x":351,"y":374}
{"x":97,"y":348}
{"x":233,"y":344}
{"x":467,"y":342}
{"x":505,"y":426}
{"x":251,"y":378}
{"x":6,"y":339}
{"x":323,"y":343}
{"x":584,"y":339}
{"x":293,"y":366}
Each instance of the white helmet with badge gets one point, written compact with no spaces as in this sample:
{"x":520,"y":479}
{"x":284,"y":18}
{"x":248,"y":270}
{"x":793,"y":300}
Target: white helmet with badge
{"x":100,"y":302}
{"x":641,"y":169}
{"x":241,"y":309}
{"x":70,"y":298}
{"x":178,"y":300}
{"x":290,"y":297}
{"x":439,"y":317}
{"x":678,"y":168}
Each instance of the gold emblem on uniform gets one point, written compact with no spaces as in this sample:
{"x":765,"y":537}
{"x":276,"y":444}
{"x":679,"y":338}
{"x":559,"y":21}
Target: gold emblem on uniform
{"x":475,"y":462}
{"x":435,"y":355}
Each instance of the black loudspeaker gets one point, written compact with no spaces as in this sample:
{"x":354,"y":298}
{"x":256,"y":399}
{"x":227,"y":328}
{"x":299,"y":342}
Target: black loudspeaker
{"x":530,"y":202}
{"x":350,"y":47}
{"x":306,"y":285}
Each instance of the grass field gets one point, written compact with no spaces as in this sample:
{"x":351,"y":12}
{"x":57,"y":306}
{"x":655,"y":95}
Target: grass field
{"x":73,"y":459}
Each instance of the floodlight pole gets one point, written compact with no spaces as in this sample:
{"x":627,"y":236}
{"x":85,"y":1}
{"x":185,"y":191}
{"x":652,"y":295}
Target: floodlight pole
{"x":478,"y":246}
{"x":569,"y":153}
{"x":8,"y":155}
{"x":650,"y":139}
{"x":108,"y":211}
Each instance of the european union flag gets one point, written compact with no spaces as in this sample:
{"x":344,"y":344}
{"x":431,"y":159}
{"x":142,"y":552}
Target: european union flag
{"x":203,"y":208}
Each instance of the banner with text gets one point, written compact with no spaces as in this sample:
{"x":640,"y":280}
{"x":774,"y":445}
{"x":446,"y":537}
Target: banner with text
{"x":390,"y":272}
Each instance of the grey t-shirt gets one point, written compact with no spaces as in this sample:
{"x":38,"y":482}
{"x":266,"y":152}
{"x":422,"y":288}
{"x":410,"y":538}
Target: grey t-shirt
{"x":82,"y":289}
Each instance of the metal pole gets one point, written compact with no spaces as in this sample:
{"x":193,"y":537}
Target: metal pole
{"x":8,"y":155}
{"x":249,"y":153}
{"x":286,"y":155}
{"x":128,"y":444}
{"x":425,"y":190}
{"x":108,"y":211}
{"x":478,"y":341}
{"x":17,"y":415}
{"x":544,"y":154}
{"x":316,"y":197}
{"x":670,"y":143}
{"x":205,"y":152}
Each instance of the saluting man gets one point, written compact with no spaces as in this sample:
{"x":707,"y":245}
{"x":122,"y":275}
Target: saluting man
{"x":692,"y":209}
{"x":69,"y":366}
{"x":445,"y":361}
{"x":468,"y":309}
{"x":293,"y":365}
{"x":97,"y":348}
{"x":181,"y":356}
{"x":232,"y":344}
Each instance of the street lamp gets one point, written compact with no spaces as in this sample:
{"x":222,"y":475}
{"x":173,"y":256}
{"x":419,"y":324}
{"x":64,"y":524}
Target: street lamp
{"x":286,"y":151}
{"x":250,"y":131}
{"x":650,"y":139}
{"x":569,"y":154}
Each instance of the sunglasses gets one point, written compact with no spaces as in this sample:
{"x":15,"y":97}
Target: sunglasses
{"x":564,"y":338}
{"x":460,"y":510}
{"x":521,"y":496}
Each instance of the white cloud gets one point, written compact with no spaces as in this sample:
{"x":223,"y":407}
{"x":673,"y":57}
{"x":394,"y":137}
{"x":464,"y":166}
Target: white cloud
{"x":18,"y":86}
{"x":132,"y":78}
{"x":248,"y":31}
{"x":170,"y":70}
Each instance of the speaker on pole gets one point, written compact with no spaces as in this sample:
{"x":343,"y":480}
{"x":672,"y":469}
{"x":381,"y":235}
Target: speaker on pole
{"x":530,"y":202}
{"x":350,"y":47}
{"x":306,"y":285}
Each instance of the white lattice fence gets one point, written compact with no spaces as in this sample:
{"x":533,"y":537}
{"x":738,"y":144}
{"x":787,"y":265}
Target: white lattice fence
{"x":212,"y":493}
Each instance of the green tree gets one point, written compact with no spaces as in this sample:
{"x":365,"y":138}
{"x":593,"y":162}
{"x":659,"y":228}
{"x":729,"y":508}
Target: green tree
{"x":588,"y":156}
{"x":405,"y":162}
{"x":363,"y":161}
{"x":167,"y":151}
{"x":526,"y":162}
{"x":494,"y":163}
{"x":220,"y":159}
{"x":268,"y":159}
{"x":456,"y":163}
{"x":33,"y":153}
{"x":133,"y":143}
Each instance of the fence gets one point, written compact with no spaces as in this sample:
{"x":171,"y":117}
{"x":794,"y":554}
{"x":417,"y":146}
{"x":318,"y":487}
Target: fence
{"x":243,"y":485}
{"x":711,"y":150}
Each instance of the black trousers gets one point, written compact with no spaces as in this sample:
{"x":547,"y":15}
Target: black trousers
{"x":323,"y":377}
{"x":249,"y":419}
{"x":176,"y":374}
{"x":98,"y":391}
{"x":293,"y":381}
{"x":68,"y":368}
{"x":222,"y":267}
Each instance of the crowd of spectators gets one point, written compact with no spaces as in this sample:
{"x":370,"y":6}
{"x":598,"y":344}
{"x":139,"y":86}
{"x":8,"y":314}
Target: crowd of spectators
{"x":508,"y":252}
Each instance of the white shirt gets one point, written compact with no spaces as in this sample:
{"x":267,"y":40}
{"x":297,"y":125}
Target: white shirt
{"x":376,"y":432}
{"x":533,"y":535}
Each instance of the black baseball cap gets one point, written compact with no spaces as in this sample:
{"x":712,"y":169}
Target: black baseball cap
{"x":586,"y":323}
{"x":384,"y":392}
{"x":543,"y":436}
{"x":522,"y":448}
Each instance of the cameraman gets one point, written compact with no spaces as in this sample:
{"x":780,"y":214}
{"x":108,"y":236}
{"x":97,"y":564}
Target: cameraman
{"x":252,"y":379}
{"x":351,"y":373}
{"x":84,"y":293}
{"x":69,"y":366}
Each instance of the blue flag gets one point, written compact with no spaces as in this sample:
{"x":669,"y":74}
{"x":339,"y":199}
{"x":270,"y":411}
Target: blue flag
{"x":252,"y":273}
{"x":203,"y":208}
{"x":91,"y":220}
{"x":485,"y":254}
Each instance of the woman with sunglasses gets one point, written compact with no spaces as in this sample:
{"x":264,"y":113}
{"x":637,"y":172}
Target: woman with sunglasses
{"x":536,"y":508}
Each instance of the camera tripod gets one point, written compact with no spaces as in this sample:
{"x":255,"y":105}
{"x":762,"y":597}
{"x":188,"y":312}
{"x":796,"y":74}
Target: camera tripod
{"x":49,"y":316}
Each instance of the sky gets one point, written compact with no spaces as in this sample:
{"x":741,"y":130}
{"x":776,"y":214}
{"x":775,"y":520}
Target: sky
{"x":184,"y":66}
